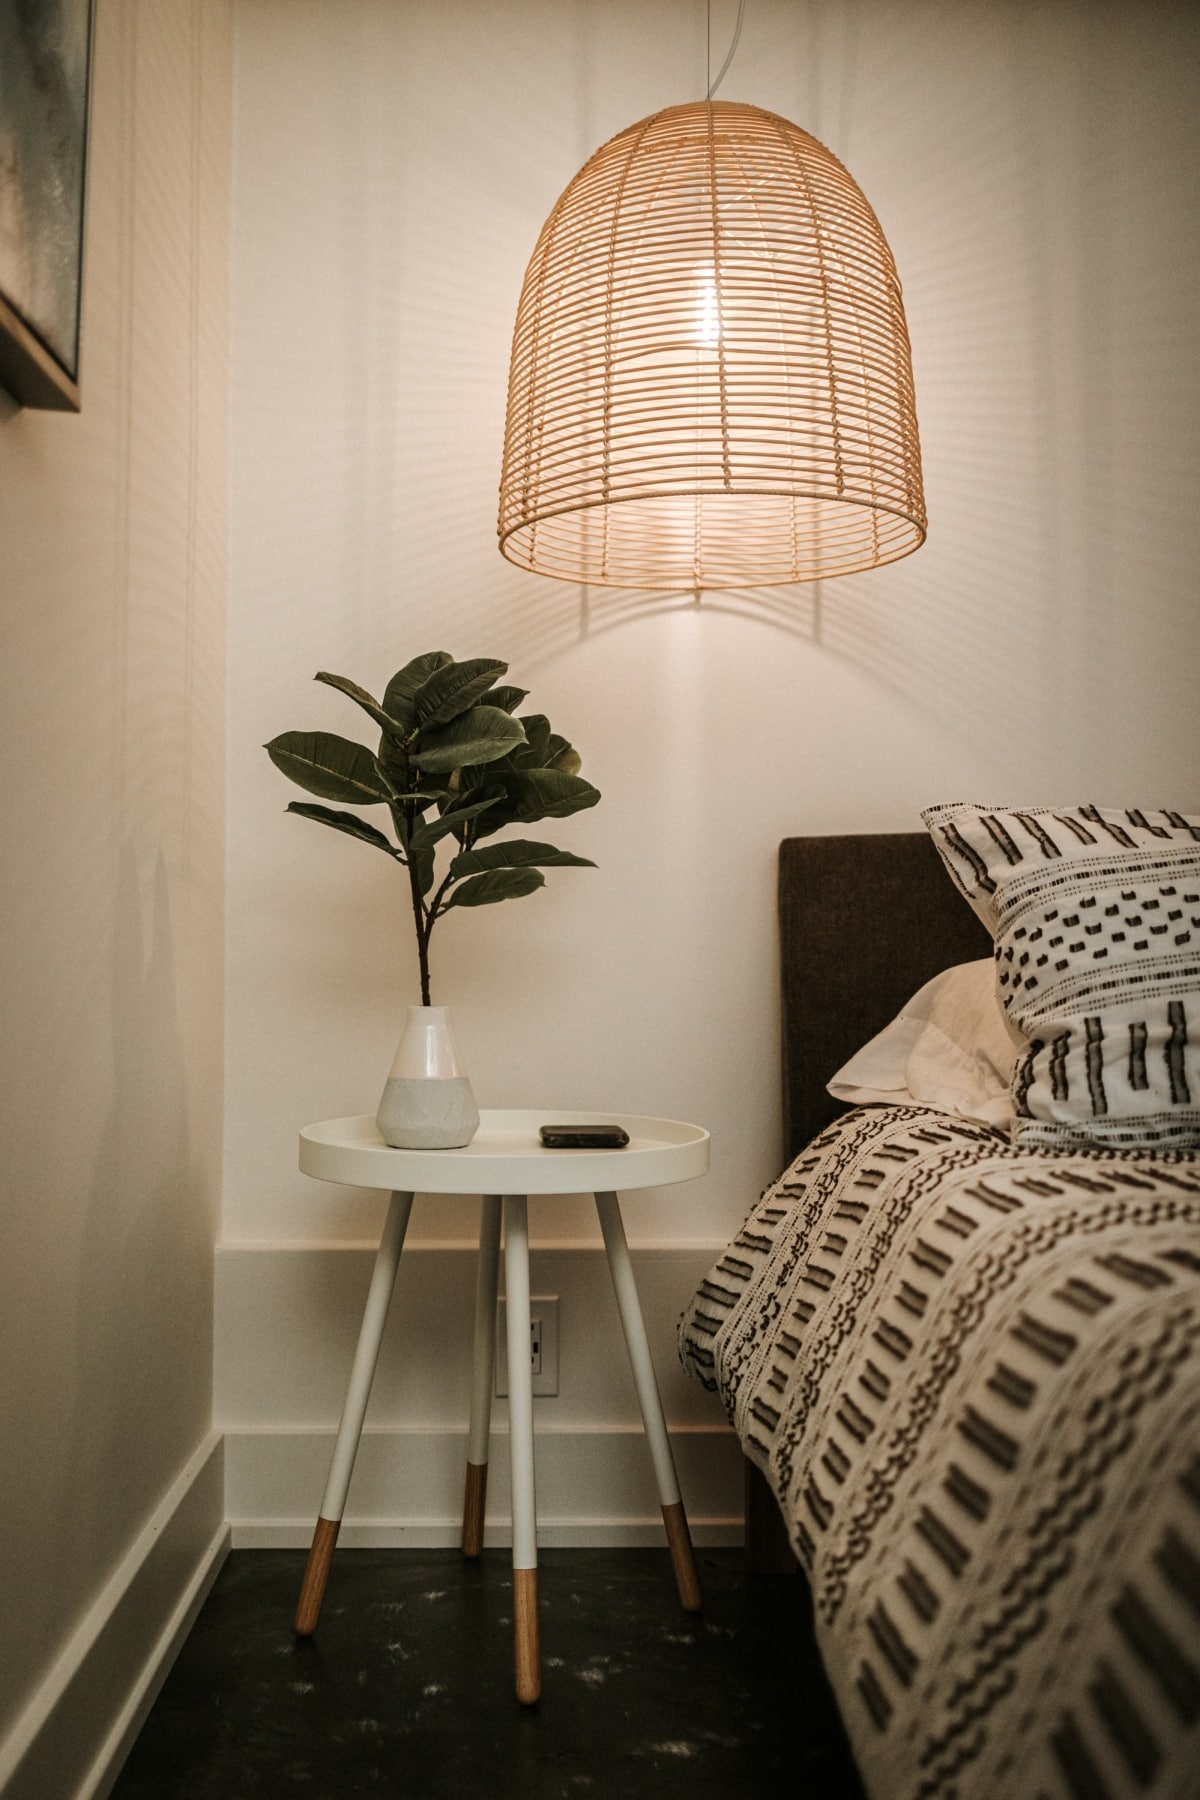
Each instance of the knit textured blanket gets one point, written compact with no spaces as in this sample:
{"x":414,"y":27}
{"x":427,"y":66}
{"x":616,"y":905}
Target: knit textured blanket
{"x":971,"y":1374}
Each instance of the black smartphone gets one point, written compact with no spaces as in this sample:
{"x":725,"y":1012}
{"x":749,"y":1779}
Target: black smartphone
{"x":584,"y":1137}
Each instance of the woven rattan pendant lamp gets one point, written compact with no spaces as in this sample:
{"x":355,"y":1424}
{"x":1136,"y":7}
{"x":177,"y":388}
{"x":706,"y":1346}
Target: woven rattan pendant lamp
{"x":711,"y":383}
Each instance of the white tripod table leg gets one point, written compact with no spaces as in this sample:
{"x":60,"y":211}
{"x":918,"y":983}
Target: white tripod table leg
{"x":679,"y":1540}
{"x":520,"y":1426}
{"x":370,"y":1335}
{"x":483,"y":1371}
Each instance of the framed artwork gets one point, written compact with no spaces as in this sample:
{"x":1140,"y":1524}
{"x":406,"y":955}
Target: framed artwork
{"x":45,"y":63}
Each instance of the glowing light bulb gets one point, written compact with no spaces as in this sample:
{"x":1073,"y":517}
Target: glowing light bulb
{"x":708,"y":313}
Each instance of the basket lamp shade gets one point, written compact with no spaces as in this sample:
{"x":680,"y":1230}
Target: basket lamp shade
{"x":711,"y":382}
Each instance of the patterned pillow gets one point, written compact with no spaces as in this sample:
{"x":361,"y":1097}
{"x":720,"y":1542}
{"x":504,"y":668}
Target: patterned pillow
{"x":1095,"y":914}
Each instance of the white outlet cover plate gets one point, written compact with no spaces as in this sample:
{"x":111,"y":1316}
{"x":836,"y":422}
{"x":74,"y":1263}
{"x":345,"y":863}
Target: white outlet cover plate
{"x":545,"y":1308}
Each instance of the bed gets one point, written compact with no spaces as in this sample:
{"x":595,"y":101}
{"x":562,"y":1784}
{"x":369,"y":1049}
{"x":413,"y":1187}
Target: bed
{"x":969,"y":1374}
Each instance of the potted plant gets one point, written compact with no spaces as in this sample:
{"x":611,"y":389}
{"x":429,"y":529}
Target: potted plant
{"x":455,"y":765}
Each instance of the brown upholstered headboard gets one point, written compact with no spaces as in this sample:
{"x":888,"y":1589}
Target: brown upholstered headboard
{"x":863,"y":922}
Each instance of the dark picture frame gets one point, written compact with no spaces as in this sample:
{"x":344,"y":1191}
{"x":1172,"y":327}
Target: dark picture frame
{"x":45,"y":82}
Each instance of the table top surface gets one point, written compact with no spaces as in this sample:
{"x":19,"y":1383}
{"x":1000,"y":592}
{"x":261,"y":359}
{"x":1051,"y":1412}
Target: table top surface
{"x":506,"y":1157}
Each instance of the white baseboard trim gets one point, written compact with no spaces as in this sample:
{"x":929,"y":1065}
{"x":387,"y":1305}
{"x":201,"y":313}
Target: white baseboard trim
{"x":74,"y":1734}
{"x":595,"y":1486}
{"x":287,"y":1321}
{"x":444,"y":1534}
{"x":111,"y":1756}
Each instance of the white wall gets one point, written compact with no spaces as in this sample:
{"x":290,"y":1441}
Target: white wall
{"x":1035,"y":171}
{"x":112,"y":594}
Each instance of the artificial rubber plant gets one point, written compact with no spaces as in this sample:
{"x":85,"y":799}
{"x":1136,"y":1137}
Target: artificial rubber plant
{"x":454,"y":766}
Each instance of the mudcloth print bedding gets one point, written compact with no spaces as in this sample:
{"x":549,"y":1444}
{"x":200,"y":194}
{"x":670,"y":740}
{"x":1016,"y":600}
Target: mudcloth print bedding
{"x":971,"y":1373}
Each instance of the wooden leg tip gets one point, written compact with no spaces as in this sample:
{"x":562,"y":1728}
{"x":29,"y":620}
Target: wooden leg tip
{"x":474,"y":1509}
{"x":316,"y":1574}
{"x":526,"y":1653}
{"x":683,"y":1558}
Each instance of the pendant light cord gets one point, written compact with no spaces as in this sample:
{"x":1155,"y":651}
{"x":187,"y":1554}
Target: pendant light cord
{"x":724,"y":70}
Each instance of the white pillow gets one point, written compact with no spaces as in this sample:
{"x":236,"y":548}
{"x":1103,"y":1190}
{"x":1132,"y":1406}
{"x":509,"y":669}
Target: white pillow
{"x":950,"y":1047}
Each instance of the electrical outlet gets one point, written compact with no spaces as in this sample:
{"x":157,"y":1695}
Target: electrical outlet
{"x":543,"y":1344}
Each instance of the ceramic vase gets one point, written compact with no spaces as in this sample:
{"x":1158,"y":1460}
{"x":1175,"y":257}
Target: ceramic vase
{"x":427,"y":1101}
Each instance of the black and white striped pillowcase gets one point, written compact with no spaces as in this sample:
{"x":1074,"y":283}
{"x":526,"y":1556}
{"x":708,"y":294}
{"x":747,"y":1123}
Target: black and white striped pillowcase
{"x":1095,"y":914}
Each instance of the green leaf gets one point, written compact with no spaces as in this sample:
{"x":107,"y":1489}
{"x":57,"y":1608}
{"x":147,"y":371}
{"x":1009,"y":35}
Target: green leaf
{"x":507,"y":698}
{"x":499,"y":814}
{"x":426,"y":836}
{"x":469,"y":799}
{"x":402,"y":688}
{"x":496,"y":884}
{"x":360,"y":697}
{"x":420,"y":802}
{"x":550,"y":794}
{"x":479,"y":736}
{"x":537,"y":741}
{"x":563,"y":756}
{"x":334,"y":768}
{"x":393,"y":760}
{"x":465,"y":815}
{"x":494,"y":782}
{"x":518,"y":853}
{"x":452,"y":689}
{"x":421,"y":859}
{"x":350,"y":823}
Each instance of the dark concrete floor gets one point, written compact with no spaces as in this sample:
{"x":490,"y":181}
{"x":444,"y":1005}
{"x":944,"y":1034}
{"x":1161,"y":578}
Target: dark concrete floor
{"x":406,"y":1690}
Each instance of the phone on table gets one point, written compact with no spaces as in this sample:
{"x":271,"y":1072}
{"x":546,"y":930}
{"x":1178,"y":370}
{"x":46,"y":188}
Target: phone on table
{"x":584,"y":1137}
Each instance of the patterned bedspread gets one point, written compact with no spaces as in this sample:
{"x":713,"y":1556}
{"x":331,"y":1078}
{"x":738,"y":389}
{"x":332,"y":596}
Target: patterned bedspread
{"x":972,"y":1377}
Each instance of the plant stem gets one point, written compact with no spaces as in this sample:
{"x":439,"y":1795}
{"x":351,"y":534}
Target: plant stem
{"x":414,"y":885}
{"x":434,"y":909}
{"x":435,"y":906}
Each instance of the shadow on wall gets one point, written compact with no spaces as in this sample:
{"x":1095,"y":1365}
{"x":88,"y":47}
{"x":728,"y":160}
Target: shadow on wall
{"x":1052,"y":303}
{"x":553,"y":615}
{"x":1034,"y":173}
{"x":794,"y":610}
{"x":129,"y":1252}
{"x":1051,"y":290}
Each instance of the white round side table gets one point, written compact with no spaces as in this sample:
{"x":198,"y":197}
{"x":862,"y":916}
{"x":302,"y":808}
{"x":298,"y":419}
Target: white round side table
{"x":504,"y":1163}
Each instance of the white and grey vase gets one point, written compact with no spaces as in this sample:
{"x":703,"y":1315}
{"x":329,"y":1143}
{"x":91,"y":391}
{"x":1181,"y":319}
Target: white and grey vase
{"x":427,"y":1101}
